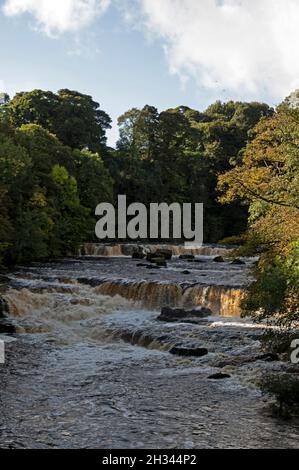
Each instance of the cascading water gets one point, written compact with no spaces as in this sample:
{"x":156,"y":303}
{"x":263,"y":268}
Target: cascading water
{"x":224,"y":301}
{"x":126,"y":249}
{"x":91,"y":366}
{"x":220,"y":300}
{"x":215,"y":288}
{"x":69,"y":316}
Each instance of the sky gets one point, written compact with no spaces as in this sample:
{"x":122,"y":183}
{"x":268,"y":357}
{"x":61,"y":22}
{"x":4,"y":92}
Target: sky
{"x":166,"y":53}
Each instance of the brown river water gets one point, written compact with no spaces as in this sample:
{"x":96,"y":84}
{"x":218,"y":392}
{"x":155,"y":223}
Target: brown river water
{"x":89,"y":365}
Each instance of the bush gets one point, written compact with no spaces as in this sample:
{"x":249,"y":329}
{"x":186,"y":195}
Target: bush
{"x":285,"y":388}
{"x":234,"y":240}
{"x":274,"y":295}
{"x":279,"y":341}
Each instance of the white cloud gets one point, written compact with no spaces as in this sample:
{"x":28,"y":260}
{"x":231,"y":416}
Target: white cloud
{"x":58,"y":16}
{"x":244,"y":46}
{"x":235,"y":48}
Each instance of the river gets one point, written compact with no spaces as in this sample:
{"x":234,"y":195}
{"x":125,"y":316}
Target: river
{"x":89,"y":365}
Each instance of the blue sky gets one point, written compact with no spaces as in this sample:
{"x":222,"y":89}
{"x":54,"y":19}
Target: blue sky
{"x":128,"y":54}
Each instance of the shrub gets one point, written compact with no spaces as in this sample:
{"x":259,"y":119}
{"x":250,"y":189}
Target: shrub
{"x":285,"y":388}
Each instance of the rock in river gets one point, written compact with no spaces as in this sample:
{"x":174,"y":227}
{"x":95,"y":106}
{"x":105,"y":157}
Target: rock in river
{"x":218,"y":376}
{"x":238,"y":261}
{"x":187,"y":257}
{"x":169,"y":314}
{"x":138,"y":255}
{"x":159,"y":254}
{"x":183,"y":351}
{"x":218,"y":259}
{"x":3,"y":307}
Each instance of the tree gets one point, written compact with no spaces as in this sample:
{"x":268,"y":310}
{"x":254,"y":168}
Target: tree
{"x":269,"y":175}
{"x":6,"y":229}
{"x":136,"y":172}
{"x":268,"y":180}
{"x":70,"y":218}
{"x":13,"y":163}
{"x":55,"y":167}
{"x":73,"y":117}
{"x":4,"y":99}
{"x":81,"y":123}
{"x":44,"y":148}
{"x":95,"y":184}
{"x":43,"y":211}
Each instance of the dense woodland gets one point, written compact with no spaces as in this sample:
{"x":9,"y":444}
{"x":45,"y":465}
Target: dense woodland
{"x":240,"y":159}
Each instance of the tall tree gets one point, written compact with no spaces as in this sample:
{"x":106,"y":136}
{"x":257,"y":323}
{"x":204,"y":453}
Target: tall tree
{"x":73,"y":117}
{"x":268,"y":180}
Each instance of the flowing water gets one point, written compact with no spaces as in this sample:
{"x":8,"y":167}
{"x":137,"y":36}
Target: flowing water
{"x":126,"y":249}
{"x":89,"y":364}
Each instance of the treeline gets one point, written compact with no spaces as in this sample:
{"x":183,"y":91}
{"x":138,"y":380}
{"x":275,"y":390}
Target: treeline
{"x":55,"y":166}
{"x":178,"y":154}
{"x":240,"y":159}
{"x":52,"y":174}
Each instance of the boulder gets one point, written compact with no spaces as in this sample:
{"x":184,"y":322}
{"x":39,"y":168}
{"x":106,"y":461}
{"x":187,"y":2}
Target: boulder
{"x":6,"y":327}
{"x":218,"y":259}
{"x":219,"y":376}
{"x":162,"y":264}
{"x":169,"y":314}
{"x":158,"y":260}
{"x":138,"y":255}
{"x":187,"y":257}
{"x":185,"y":272}
{"x":238,"y":261}
{"x":184,"y":351}
{"x":150,"y":256}
{"x":159,"y":254}
{"x":93,"y":282}
{"x":268,"y":357}
{"x":3,"y":307}
{"x":164,"y":253}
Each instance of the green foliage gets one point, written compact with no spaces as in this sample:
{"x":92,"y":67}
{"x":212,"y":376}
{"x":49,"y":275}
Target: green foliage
{"x":55,"y":167}
{"x":43,"y":211}
{"x":32,"y":235}
{"x":13,"y":159}
{"x":274,"y":294}
{"x":44,"y":148}
{"x":6,"y":229}
{"x":285,"y":388}
{"x":234,"y":240}
{"x":70,"y":217}
{"x":279,"y":341}
{"x":95,"y":184}
{"x":73,"y":117}
{"x":177,"y":155}
{"x":267,"y":179}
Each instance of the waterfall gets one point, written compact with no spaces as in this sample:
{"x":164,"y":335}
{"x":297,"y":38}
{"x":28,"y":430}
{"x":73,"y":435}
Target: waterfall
{"x":224,"y":301}
{"x":126,"y":249}
{"x":71,"y":317}
{"x":151,"y":295}
{"x":220,"y":300}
